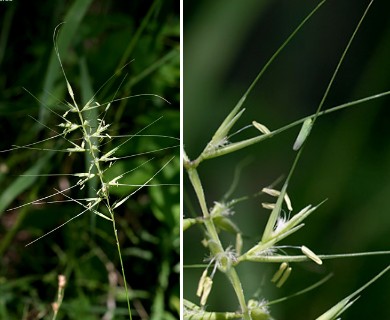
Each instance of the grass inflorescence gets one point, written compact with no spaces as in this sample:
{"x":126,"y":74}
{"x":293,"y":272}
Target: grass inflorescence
{"x":225,"y":255}
{"x":90,"y":183}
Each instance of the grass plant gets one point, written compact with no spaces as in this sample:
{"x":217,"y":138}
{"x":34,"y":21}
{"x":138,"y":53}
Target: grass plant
{"x":216,"y":222}
{"x":89,"y":188}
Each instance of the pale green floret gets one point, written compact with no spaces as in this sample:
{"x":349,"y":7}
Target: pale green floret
{"x":201,"y":283}
{"x":70,"y":90}
{"x":220,"y":137}
{"x":311,"y":255}
{"x":88,"y":105}
{"x":258,"y":310}
{"x":280,"y":271}
{"x":262,"y":128}
{"x":188,"y":222}
{"x":267,"y":205}
{"x":288,"y":202}
{"x":284,"y":277}
{"x":296,"y":219}
{"x":271,"y":192}
{"x":68,"y":126}
{"x":221,"y":209}
{"x":226,"y":125}
{"x":276,"y":193}
{"x":279,"y":224}
{"x":207,"y":285}
{"x":220,"y":214}
{"x":303,"y":133}
{"x":106,"y":157}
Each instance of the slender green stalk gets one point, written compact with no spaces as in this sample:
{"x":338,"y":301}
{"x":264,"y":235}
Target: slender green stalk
{"x":92,"y":147}
{"x":217,"y":248}
{"x":121,"y":261}
{"x":209,"y":224}
{"x":236,"y":284}
{"x":303,"y":258}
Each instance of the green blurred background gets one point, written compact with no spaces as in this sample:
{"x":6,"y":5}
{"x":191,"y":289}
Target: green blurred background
{"x":346,"y":159}
{"x":97,"y":40}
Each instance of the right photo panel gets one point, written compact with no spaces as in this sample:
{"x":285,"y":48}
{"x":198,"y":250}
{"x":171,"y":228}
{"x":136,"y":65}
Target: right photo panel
{"x":286,"y":160}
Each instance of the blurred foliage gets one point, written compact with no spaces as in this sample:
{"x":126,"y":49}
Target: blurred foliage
{"x":138,"y":43}
{"x":346,"y":159}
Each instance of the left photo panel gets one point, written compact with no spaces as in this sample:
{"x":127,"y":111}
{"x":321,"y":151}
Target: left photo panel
{"x":90,"y":159}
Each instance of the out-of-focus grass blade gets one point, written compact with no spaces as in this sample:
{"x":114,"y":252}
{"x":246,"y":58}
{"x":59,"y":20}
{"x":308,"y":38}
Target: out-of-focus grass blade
{"x":73,"y":19}
{"x":173,"y":54}
{"x":129,"y":49}
{"x":23,"y":182}
{"x":158,"y":302}
{"x":6,"y":25}
{"x":137,"y":35}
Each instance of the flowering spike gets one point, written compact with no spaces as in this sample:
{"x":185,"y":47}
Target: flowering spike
{"x":220,"y":137}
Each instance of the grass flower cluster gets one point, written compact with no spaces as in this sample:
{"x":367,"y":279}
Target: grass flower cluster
{"x":283,"y":220}
{"x":84,"y":135}
{"x":81,"y":227}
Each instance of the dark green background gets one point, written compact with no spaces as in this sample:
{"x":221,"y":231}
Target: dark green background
{"x":98,"y":38}
{"x":346,"y":160}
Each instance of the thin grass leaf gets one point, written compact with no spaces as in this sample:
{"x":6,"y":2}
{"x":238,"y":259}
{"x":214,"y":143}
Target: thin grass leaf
{"x":135,"y":38}
{"x":344,"y":304}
